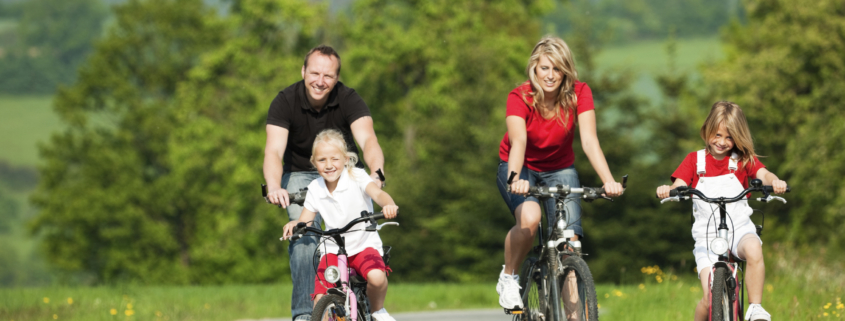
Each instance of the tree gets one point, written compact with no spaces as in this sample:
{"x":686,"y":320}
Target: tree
{"x":54,"y":38}
{"x":108,"y":210}
{"x":785,"y":70}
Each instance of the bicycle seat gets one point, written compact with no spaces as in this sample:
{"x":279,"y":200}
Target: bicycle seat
{"x":357,"y":279}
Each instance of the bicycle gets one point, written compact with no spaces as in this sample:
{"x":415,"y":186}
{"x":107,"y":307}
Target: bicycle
{"x":543,"y":278}
{"x":727,"y":294}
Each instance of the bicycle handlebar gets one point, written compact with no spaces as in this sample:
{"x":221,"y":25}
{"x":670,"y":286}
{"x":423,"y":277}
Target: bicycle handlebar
{"x":588,"y":193}
{"x":302,"y":228}
{"x":295,"y":198}
{"x":756,"y":185}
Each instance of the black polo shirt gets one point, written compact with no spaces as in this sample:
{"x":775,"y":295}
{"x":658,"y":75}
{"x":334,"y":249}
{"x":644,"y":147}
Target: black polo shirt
{"x":291,"y":110}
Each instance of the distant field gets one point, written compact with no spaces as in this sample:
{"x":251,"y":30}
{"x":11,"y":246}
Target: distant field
{"x":649,"y":58}
{"x":24,"y":121}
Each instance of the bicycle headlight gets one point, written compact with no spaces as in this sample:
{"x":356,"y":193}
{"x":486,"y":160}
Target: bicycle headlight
{"x":332,"y":274}
{"x":719,"y":246}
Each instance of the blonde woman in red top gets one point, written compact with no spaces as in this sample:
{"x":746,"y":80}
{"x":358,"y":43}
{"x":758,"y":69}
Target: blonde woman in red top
{"x":541,"y":118}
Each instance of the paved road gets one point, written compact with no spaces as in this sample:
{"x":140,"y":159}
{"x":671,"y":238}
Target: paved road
{"x":453,"y":315}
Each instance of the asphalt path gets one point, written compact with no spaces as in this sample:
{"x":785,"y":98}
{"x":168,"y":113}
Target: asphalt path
{"x":449,"y":315}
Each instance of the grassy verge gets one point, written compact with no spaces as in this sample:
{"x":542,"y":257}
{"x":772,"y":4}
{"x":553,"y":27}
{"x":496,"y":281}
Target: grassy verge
{"x":811,"y":291}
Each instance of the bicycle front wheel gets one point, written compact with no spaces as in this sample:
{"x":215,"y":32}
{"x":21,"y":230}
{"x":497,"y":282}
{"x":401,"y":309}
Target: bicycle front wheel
{"x":330,"y":307}
{"x":720,"y":303}
{"x":532,"y":278}
{"x":577,"y":291}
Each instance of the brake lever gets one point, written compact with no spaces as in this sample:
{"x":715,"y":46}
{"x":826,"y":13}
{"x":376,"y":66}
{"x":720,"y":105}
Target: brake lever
{"x":770,"y":198}
{"x":380,"y":226}
{"x":671,"y":199}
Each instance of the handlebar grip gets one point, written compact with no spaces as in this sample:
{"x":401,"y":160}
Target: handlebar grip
{"x":377,"y":216}
{"x":510,"y":179}
{"x":770,"y":189}
{"x":533,"y":189}
{"x":298,"y":231}
{"x":624,"y":182}
{"x":380,"y":174}
{"x":263,"y":190}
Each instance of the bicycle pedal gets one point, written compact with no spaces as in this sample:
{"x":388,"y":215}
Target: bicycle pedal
{"x":513,"y":311}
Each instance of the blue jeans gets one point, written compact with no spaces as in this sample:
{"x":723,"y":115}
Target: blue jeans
{"x":302,"y":251}
{"x":566,"y":176}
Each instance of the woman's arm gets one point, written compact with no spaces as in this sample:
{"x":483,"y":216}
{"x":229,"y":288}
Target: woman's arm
{"x":770,"y":178}
{"x":590,"y":143}
{"x":518,"y":136}
{"x":388,"y":207}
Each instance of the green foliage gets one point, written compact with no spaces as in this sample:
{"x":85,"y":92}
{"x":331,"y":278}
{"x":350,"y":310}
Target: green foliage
{"x":786,"y":70}
{"x":108,"y":206}
{"x":53,"y":38}
{"x":436,"y":76}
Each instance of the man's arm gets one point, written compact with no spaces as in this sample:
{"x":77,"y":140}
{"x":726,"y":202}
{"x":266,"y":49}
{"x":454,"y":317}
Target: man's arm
{"x":274,"y":150}
{"x":365,"y":136}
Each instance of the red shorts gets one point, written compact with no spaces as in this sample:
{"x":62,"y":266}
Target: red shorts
{"x":362,"y":263}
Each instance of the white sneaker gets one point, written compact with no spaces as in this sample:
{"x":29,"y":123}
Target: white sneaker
{"x":382,"y":315}
{"x":757,"y":313}
{"x":508,"y":288}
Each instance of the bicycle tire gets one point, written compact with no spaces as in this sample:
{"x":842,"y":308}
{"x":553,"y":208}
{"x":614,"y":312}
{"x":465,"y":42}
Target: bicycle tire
{"x":534,"y":296}
{"x":330,"y":307}
{"x":585,"y":307}
{"x":719,"y":300}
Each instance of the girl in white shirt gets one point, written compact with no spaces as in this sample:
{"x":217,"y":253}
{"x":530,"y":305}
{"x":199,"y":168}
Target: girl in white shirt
{"x":339,"y":196}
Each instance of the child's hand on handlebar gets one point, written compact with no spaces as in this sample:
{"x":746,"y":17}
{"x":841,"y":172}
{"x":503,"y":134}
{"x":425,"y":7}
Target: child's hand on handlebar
{"x":390,"y":211}
{"x":779,"y":186}
{"x":613,"y":189}
{"x":663,"y":191}
{"x":288,"y":230}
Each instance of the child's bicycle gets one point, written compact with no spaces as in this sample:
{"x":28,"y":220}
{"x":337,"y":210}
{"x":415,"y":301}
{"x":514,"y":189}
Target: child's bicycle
{"x":546,"y":294}
{"x":726,"y":290}
{"x":348,"y":298}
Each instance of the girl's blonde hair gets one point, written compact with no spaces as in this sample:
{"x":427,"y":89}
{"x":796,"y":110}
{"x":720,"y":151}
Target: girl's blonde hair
{"x":335,"y":138}
{"x":729,"y":113}
{"x":556,"y":50}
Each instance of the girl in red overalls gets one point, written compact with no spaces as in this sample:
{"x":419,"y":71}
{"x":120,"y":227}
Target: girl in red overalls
{"x":724,"y":168}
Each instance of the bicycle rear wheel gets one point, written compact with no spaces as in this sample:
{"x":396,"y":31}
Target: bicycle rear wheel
{"x":720,"y":303}
{"x":534,"y":295}
{"x":330,"y":307}
{"x":577,"y":291}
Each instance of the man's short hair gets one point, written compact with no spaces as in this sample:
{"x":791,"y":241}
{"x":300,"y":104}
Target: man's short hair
{"x":325,"y":50}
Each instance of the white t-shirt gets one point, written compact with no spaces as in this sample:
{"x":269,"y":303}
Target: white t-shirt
{"x":341,"y":207}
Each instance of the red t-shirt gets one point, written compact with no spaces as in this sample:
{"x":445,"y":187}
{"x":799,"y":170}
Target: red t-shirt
{"x":687,"y":171}
{"x":549,"y":145}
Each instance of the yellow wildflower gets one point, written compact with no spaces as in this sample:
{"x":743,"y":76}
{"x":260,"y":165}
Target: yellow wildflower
{"x":642,"y":286}
{"x":158,"y":314}
{"x":658,"y":278}
{"x":827,"y":306}
{"x":606,"y":295}
{"x":69,"y":300}
{"x":129,"y":312}
{"x":46,"y":300}
{"x":113,"y":311}
{"x":55,"y":316}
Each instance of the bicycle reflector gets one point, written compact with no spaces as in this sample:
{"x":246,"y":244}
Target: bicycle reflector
{"x":719,"y":246}
{"x":332,"y":274}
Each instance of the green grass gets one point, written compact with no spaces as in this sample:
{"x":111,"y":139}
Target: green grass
{"x":212,"y":302}
{"x":793,"y":292}
{"x":25,"y":121}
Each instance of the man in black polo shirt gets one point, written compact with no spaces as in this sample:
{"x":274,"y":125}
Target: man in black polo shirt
{"x":296,"y":116}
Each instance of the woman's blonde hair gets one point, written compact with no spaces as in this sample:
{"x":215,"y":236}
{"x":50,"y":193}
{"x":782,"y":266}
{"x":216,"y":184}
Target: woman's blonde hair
{"x":729,"y":113}
{"x":556,"y":50}
{"x":335,"y":138}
